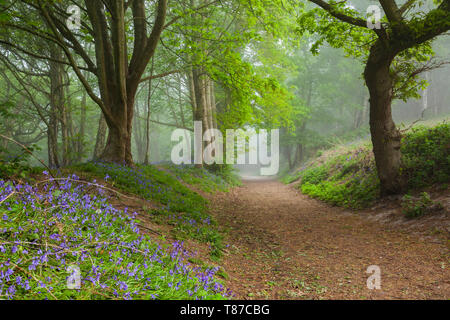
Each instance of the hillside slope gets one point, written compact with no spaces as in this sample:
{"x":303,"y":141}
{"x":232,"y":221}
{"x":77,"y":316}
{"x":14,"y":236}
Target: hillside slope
{"x":346,"y":176}
{"x":121,"y":229}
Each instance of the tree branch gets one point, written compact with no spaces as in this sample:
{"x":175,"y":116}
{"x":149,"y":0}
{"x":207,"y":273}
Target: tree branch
{"x":391,"y":9}
{"x":175,"y":19}
{"x":348,"y":19}
{"x":339,"y":15}
{"x":69,"y":56}
{"x":38,"y":56}
{"x":436,"y":22}
{"x":152,"y":42}
{"x":406,"y":6}
{"x":161,"y":75}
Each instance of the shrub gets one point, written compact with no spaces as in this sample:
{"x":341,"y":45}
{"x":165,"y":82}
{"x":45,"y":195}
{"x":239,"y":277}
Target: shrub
{"x":346,"y":180}
{"x":414,"y":208}
{"x":315,"y":175}
{"x":351,"y":180}
{"x":426,"y":156}
{"x":213,"y":178}
{"x":14,"y":163}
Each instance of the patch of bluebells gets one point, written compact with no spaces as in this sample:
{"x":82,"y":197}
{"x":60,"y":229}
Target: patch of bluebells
{"x":152,"y":184}
{"x":45,"y":229}
{"x":184,"y":208}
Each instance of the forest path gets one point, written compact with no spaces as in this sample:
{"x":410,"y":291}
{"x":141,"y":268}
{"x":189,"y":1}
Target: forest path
{"x":284,"y":245}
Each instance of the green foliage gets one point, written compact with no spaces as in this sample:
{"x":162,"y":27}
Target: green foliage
{"x":4,"y":16}
{"x":329,"y":94}
{"x":198,"y":177}
{"x":347,"y":180}
{"x":14,"y":162}
{"x":226,"y":173}
{"x":414,"y":208}
{"x":290,"y":178}
{"x":315,"y":175}
{"x":350,"y":179}
{"x":426,"y":156}
{"x":255,"y":98}
{"x":211,"y":179}
{"x":17,"y":170}
{"x":407,"y":83}
{"x":357,"y":40}
{"x":149,"y":183}
{"x":218,"y":39}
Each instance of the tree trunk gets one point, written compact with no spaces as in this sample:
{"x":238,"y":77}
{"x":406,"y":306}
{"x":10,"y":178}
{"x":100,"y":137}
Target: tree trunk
{"x":213,"y":105}
{"x":71,"y":142}
{"x":138,"y":134}
{"x":64,"y":134}
{"x":82,"y":131}
{"x":56,"y":108}
{"x":52,"y":139}
{"x":148,"y":117}
{"x":119,"y":76}
{"x":366,"y":108}
{"x":200,"y":98}
{"x":118,"y":144}
{"x":288,"y":152}
{"x":155,"y":154}
{"x":298,"y":154}
{"x":101,"y":135}
{"x":425,"y":96}
{"x":386,"y":138}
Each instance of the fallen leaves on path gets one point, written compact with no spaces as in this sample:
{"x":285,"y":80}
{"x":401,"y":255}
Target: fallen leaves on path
{"x":284,"y":245}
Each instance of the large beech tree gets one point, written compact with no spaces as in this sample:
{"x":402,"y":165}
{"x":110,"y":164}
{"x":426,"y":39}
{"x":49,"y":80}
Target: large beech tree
{"x":399,"y":33}
{"x":119,"y":63}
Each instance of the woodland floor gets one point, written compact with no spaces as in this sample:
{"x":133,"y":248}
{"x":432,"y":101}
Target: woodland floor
{"x":284,"y":245}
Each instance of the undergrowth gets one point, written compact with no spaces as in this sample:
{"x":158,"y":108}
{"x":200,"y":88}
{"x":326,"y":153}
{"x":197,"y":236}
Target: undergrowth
{"x":349,"y":179}
{"x":52,"y":236}
{"x":415,"y":207}
{"x":221,"y":179}
{"x":180,"y":206}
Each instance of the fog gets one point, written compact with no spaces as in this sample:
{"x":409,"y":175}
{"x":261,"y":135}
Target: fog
{"x":316,"y":101}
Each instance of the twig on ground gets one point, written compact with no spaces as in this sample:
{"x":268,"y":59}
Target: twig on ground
{"x":9,"y":196}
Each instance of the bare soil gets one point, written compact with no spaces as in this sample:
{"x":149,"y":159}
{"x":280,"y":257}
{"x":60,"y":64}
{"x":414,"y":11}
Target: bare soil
{"x":284,"y":245}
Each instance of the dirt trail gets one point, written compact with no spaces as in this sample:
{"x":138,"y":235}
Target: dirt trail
{"x":283,"y":245}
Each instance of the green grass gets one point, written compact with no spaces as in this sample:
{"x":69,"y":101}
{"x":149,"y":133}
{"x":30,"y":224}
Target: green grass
{"x":221,"y":180}
{"x":181,"y":207}
{"x":288,"y":177}
{"x":347,"y":176}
